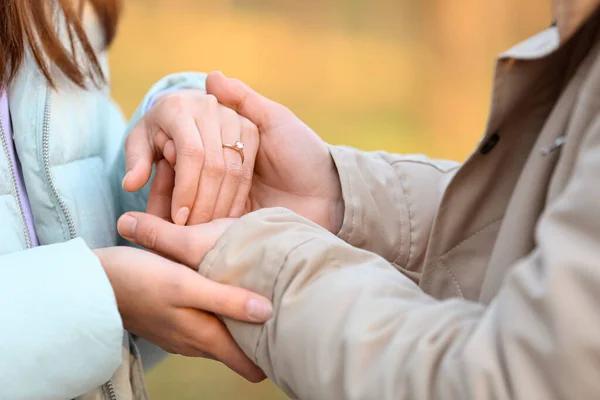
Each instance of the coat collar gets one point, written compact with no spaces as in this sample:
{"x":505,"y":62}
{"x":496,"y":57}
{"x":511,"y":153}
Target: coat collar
{"x":572,"y":14}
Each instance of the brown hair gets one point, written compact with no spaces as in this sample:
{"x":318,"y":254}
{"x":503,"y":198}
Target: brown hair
{"x":30,"y":24}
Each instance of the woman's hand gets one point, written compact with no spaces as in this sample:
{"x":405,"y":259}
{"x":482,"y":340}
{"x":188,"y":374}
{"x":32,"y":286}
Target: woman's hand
{"x":172,"y":306}
{"x":188,"y":128}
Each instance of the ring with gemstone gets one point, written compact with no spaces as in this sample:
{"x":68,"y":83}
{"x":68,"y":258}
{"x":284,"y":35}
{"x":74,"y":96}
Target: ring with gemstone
{"x":237,"y":146}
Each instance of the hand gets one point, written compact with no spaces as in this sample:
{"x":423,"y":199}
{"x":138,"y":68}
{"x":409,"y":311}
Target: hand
{"x":184,"y":244}
{"x":172,"y":306}
{"x":188,"y":128}
{"x":293,"y":166}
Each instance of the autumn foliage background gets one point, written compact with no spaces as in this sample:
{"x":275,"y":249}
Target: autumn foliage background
{"x":399,"y":75}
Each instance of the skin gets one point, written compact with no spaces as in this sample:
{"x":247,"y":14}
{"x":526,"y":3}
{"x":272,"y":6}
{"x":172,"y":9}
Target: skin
{"x":163,"y":301}
{"x":172,"y":306}
{"x":291,"y":165}
{"x":286,"y":165}
{"x":188,"y":129}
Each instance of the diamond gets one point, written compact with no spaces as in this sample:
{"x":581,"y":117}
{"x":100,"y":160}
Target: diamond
{"x":239,"y":145}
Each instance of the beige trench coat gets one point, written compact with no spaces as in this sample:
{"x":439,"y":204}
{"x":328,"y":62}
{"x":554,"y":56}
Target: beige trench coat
{"x":479,"y":281}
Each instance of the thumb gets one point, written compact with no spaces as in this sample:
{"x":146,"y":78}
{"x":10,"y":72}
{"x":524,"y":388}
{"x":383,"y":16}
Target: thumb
{"x":185,"y":244}
{"x":139,"y":157}
{"x":238,"y":96}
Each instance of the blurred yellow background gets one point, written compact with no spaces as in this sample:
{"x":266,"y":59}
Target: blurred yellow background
{"x":398,"y":75}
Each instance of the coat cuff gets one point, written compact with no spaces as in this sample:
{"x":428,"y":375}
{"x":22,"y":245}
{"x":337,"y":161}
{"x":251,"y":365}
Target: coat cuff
{"x":376,"y":214}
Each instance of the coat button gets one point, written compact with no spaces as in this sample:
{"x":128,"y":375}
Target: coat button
{"x":490,"y":143}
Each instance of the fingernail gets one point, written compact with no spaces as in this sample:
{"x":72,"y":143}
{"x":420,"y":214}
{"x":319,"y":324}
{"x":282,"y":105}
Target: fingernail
{"x":126,"y":226}
{"x":182,"y":216}
{"x":125,"y":178}
{"x":259,"y":310}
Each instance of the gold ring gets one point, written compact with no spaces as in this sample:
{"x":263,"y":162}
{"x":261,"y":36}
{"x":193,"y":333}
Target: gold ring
{"x":237,"y":146}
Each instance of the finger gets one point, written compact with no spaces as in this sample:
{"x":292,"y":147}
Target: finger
{"x":185,"y":244}
{"x":166,"y":146}
{"x":209,"y":336}
{"x":160,"y":139}
{"x":229,"y":353}
{"x":176,"y":242}
{"x":231,"y":132}
{"x":181,"y":127}
{"x":245,"y":101}
{"x":226,"y":300}
{"x":188,"y":245}
{"x":161,"y":191}
{"x":251,"y":140}
{"x":170,"y":153}
{"x":139,"y":157}
{"x":213,"y":170}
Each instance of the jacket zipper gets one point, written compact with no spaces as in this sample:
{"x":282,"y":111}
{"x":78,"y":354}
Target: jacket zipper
{"x":13,"y":180}
{"x":109,"y":391}
{"x":47,"y":170}
{"x":108,"y":388}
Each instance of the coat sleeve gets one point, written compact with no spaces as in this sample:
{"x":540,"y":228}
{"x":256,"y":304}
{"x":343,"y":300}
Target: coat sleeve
{"x":60,"y":330}
{"x":390,"y":203}
{"x":348,"y":325}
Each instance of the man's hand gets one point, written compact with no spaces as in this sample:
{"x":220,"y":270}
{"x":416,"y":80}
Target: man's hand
{"x":172,"y":306}
{"x":293,"y":167}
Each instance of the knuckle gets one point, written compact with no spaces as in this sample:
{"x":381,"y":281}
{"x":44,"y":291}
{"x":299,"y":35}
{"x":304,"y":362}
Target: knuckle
{"x":246,"y":176}
{"x":175,"y":101}
{"x":248,"y":126}
{"x":198,"y":217}
{"x":191,"y":149}
{"x":214,"y":168}
{"x":227,"y":112}
{"x":234,"y":171}
{"x":210,"y":101}
{"x":148,"y":237}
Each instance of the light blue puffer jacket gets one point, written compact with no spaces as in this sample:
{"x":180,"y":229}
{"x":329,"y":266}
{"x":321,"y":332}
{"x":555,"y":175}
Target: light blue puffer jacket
{"x":60,"y":331}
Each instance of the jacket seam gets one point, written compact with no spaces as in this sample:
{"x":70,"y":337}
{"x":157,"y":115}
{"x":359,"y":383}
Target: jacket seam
{"x":454,"y":279}
{"x":428,"y":164}
{"x":470,"y":237}
{"x":410,"y":225}
{"x":439,"y":259}
{"x":353,"y":205}
{"x":275,"y":282}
